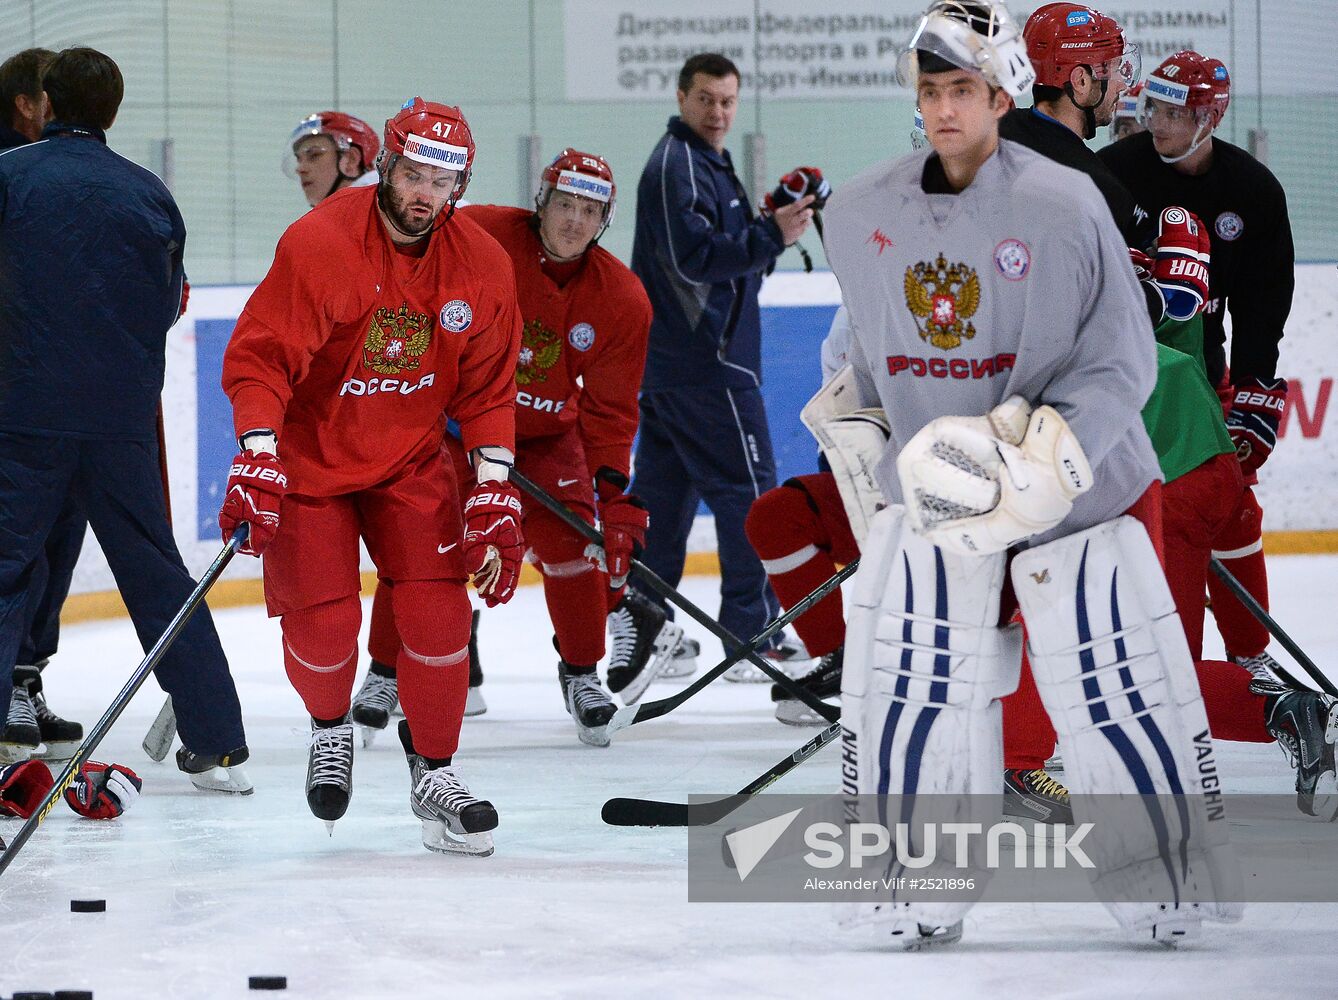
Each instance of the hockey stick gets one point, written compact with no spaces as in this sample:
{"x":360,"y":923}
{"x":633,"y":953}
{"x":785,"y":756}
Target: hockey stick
{"x":648,"y":812}
{"x":158,"y":740}
{"x":122,"y":699}
{"x":730,"y":641}
{"x":1276,"y":630}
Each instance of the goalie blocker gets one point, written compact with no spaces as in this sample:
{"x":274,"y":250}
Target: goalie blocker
{"x":926,"y":664}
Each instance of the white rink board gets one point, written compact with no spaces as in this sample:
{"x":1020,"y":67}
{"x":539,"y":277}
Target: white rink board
{"x":1298,"y":481}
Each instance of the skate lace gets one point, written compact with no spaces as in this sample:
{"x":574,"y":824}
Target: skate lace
{"x":43,"y":712}
{"x":1042,"y":784}
{"x":443,"y":787}
{"x":331,"y":754}
{"x":587,"y":693}
{"x":379,"y":692}
{"x":21,"y":709}
{"x":622,"y":630}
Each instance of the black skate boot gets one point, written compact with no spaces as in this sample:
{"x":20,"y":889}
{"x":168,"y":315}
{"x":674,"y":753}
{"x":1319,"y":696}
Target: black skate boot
{"x":1305,"y":724}
{"x":823,"y":682}
{"x":454,"y":821}
{"x":684,"y":661}
{"x":60,"y":736}
{"x":216,"y":772}
{"x":587,"y":703}
{"x":1035,"y":796}
{"x":22,"y":736}
{"x":330,"y":770}
{"x":788,"y":656}
{"x":375,"y":700}
{"x":643,"y":641}
{"x":474,"y":703}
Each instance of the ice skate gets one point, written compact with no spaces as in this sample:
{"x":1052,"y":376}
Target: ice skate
{"x":1034,"y":796}
{"x":474,"y":703}
{"x":1305,"y":724}
{"x":330,"y":772}
{"x":60,"y":737}
{"x":683,"y":663}
{"x":215,"y":772}
{"x":454,"y":821}
{"x":374,"y":702}
{"x":1264,"y":668}
{"x":22,"y":736}
{"x":788,"y":656}
{"x":643,"y":642}
{"x":923,"y":937}
{"x":587,"y":704}
{"x":823,"y":682}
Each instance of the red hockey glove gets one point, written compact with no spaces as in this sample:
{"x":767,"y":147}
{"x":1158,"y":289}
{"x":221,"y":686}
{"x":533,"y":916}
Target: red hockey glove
{"x":794,"y":185}
{"x":1143,"y":264}
{"x":185,"y":298}
{"x":493,"y":546}
{"x":624,"y":520}
{"x":1184,"y":250}
{"x":256,"y":485}
{"x":1256,"y":411}
{"x":103,"y":791}
{"x":23,"y":786}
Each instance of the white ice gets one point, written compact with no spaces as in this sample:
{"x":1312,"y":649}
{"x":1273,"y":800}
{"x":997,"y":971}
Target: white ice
{"x":203,"y":891}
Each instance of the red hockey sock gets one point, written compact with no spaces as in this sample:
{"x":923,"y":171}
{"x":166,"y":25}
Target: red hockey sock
{"x":1028,"y":736}
{"x":574,"y":590}
{"x":1242,"y":633}
{"x":320,"y":654}
{"x":383,"y":643}
{"x":1234,"y":711}
{"x":433,"y":661}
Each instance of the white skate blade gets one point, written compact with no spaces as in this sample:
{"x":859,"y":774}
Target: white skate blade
{"x":747,"y":672}
{"x":922,"y":939}
{"x":794,"y":712}
{"x":597,"y":736}
{"x":58,"y":750}
{"x":1055,"y":763}
{"x":13,"y":753}
{"x":474,"y":703}
{"x":437,"y":838}
{"x":678,"y":667}
{"x":230,"y":780}
{"x":329,"y":828}
{"x":662,"y":652}
{"x":368,"y":736}
{"x":1169,"y":933}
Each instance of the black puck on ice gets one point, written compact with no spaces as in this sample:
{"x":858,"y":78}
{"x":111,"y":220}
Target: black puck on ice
{"x":88,"y":906}
{"x":72,"y":995}
{"x":267,"y":982}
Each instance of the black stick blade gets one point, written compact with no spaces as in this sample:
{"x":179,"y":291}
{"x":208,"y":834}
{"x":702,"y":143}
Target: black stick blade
{"x":648,"y":812}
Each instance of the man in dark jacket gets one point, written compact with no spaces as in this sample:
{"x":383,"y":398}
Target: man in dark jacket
{"x":701,"y":252}
{"x":91,"y":285}
{"x":28,"y":111}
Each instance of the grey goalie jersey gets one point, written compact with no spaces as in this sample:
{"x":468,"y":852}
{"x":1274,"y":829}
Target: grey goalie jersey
{"x":1019,"y":285}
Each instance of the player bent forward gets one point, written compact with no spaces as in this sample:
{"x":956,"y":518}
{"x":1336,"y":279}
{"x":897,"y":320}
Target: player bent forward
{"x":1012,"y":302}
{"x":380,"y":314}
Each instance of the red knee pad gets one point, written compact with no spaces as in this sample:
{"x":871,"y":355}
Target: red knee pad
{"x":433,"y":618}
{"x":781,"y":521}
{"x":320,"y":654}
{"x":554,"y":542}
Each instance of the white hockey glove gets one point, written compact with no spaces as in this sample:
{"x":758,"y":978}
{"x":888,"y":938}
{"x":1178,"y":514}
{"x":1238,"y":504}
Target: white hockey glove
{"x":973,"y":485}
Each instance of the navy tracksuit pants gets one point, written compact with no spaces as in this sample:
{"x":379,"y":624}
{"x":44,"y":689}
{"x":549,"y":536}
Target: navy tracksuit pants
{"x":713,"y":445}
{"x":117,"y":485}
{"x":50,"y":585}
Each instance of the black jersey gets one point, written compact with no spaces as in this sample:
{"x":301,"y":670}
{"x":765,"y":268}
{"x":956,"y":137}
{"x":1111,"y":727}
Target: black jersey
{"x":1253,"y":267}
{"x":1056,"y":141}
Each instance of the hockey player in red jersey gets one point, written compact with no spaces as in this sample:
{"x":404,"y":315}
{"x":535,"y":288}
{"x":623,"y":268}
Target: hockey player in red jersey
{"x":329,"y":151}
{"x":586,"y":320}
{"x":381,"y":313}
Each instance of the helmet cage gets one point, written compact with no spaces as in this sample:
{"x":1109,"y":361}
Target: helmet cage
{"x":998,"y":53}
{"x":314,"y":125}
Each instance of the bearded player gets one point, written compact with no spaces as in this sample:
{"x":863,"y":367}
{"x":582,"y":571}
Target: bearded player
{"x":1011,"y":360}
{"x":380,"y":314}
{"x":586,"y":322}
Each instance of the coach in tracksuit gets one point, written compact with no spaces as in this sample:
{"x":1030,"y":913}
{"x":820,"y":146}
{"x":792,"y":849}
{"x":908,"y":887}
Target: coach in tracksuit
{"x":91,"y":279}
{"x":701,"y":252}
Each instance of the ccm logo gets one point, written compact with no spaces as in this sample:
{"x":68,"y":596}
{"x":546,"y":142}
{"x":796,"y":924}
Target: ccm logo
{"x":951,"y":368}
{"x":1188,"y":269}
{"x":260,"y":473}
{"x":501,"y":499}
{"x":1267,"y":401}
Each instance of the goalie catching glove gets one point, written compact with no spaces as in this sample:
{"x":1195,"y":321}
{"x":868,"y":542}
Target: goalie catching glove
{"x":493,"y":546}
{"x":977,"y":485}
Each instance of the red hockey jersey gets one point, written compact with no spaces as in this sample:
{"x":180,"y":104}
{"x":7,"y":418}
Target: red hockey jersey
{"x":355,"y":352}
{"x":583,"y":348}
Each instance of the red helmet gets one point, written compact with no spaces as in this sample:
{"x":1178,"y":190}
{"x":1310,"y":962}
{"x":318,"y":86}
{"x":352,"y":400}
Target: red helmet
{"x":346,"y":131}
{"x":435,"y":134}
{"x":1192,"y":81}
{"x":582,"y":174}
{"x":1062,"y":36}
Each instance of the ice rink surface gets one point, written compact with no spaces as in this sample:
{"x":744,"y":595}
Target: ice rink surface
{"x":203,"y":891}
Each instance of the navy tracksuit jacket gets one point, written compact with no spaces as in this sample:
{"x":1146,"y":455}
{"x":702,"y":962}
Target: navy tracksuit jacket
{"x":701,"y":253}
{"x":90,"y":277}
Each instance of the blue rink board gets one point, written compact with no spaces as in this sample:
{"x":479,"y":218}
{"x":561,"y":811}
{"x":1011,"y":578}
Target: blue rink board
{"x":791,"y":338}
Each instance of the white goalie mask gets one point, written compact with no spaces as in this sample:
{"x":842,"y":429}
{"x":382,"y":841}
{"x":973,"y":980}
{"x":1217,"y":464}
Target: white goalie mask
{"x":973,"y":34}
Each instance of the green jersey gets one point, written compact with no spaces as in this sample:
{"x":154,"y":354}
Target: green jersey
{"x":1184,"y":416}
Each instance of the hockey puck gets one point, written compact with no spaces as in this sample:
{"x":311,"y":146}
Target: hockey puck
{"x":88,"y":906}
{"x":267,"y":982}
{"x":72,"y":995}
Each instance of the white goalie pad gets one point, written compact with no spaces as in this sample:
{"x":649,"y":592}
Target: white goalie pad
{"x":1113,"y":669}
{"x":853,"y":439}
{"x":925,"y":667}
